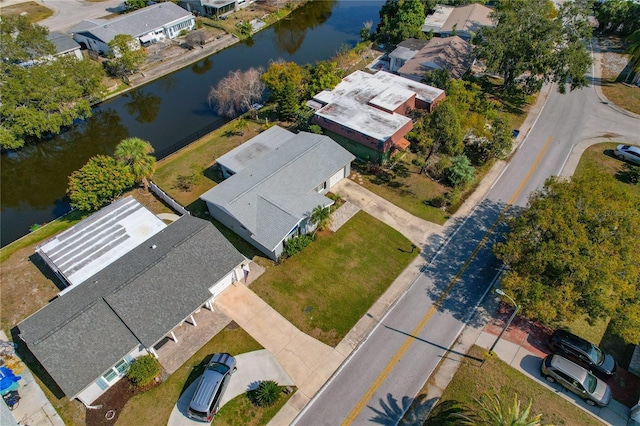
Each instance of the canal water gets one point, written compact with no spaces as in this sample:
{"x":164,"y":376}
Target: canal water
{"x":34,"y":179}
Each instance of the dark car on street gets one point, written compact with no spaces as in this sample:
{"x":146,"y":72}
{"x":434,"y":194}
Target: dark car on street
{"x":583,"y":352}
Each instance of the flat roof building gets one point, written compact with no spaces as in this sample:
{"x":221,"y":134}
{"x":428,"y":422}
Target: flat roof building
{"x":370,"y":110}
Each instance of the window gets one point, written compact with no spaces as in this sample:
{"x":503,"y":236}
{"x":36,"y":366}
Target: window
{"x":321,"y":187}
{"x":116,"y":371}
{"x":110,"y":375}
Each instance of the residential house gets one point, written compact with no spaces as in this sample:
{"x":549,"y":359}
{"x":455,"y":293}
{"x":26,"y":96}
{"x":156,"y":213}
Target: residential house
{"x":463,"y":21}
{"x":87,"y":336}
{"x":213,"y":7}
{"x":452,"y":53}
{"x":367,"y":113}
{"x":404,"y":51}
{"x":272,"y":191}
{"x":150,"y":24}
{"x":64,"y":44}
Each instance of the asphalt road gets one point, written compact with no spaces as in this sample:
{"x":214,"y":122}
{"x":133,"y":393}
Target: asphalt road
{"x":379,"y":381}
{"x":67,"y":13}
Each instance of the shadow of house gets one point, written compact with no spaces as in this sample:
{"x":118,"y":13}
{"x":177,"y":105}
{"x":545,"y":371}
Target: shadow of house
{"x":86,"y":337}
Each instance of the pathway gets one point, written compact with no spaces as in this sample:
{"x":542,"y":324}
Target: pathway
{"x":253,"y":368}
{"x":306,"y":360}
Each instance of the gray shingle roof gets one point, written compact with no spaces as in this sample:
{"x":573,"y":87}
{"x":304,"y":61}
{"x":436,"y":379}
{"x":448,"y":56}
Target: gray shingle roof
{"x":250,"y":151}
{"x":273,"y":195}
{"x":135,"y":23}
{"x":62,"y":42}
{"x":138,"y":298}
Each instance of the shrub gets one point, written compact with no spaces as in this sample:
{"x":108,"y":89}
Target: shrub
{"x":454,"y":197}
{"x":143,"y":370}
{"x":436,"y":171}
{"x":314,"y":128}
{"x":266,"y":394}
{"x":460,"y":172}
{"x":296,"y":245}
{"x":438,"y":201}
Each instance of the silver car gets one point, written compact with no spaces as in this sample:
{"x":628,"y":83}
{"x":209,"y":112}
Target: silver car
{"x":213,"y":382}
{"x":628,"y":152}
{"x":575,"y":378}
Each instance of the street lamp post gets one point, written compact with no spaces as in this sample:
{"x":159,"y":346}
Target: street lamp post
{"x":515,"y":311}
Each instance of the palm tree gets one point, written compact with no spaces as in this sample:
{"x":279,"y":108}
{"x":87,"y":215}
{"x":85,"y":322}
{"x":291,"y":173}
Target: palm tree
{"x":321,"y":217}
{"x":634,"y":53}
{"x":136,"y":153}
{"x":490,"y":411}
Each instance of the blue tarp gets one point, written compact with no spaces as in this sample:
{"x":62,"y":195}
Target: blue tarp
{"x":8,"y":380}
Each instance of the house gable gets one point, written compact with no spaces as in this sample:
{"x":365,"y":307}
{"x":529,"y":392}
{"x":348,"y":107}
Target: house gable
{"x":135,"y":300}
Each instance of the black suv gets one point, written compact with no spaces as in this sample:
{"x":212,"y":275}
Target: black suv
{"x":583,"y":353}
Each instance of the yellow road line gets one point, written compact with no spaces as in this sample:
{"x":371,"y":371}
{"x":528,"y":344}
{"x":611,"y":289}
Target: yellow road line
{"x":432,"y":310}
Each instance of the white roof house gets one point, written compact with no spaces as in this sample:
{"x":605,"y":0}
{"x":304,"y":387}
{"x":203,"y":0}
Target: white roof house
{"x":370,"y":110}
{"x":96,"y":242}
{"x":270,"y":199}
{"x":152,"y":23}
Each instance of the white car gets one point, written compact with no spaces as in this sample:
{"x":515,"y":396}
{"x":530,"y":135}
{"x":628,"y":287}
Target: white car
{"x":628,"y":152}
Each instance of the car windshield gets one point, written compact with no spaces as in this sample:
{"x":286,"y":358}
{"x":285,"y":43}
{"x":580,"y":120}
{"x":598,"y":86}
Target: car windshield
{"x":590,"y":383}
{"x":218,"y":368}
{"x":596,"y":355}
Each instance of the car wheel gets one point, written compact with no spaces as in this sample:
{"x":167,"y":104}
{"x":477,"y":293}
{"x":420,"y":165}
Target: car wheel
{"x":590,"y":402}
{"x":550,"y":379}
{"x":620,"y":157}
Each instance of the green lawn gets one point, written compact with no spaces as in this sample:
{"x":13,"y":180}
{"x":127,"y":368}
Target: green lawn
{"x":405,"y":187}
{"x":328,"y":287}
{"x":155,"y":406}
{"x":241,"y":412}
{"x":198,"y":159}
{"x":472,"y":380}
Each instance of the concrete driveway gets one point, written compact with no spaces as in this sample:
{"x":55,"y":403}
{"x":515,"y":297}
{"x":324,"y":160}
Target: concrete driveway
{"x":413,"y":228}
{"x":253,"y":368}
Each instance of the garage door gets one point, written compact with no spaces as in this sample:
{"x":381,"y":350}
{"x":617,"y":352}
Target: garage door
{"x":336,"y":178}
{"x":225,"y":282}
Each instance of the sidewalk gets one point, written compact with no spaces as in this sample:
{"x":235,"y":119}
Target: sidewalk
{"x":34,"y":409}
{"x":528,"y":362}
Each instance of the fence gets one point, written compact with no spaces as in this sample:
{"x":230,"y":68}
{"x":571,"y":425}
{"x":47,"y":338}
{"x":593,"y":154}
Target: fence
{"x":191,"y":138}
{"x":173,"y":203}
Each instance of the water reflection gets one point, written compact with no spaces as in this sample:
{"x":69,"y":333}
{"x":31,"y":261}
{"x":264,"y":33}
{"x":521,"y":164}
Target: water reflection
{"x":143,"y":105}
{"x":202,"y":67}
{"x":290,"y":33}
{"x":37,"y":175}
{"x":166,"y":111}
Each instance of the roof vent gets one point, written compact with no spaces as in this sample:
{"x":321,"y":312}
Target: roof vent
{"x":153,"y":247}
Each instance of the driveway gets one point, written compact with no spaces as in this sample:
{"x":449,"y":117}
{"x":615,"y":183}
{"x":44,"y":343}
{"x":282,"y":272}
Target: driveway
{"x":253,"y":368}
{"x":67,"y":13}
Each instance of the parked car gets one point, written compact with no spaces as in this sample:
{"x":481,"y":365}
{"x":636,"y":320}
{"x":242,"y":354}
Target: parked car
{"x":628,"y":152}
{"x":583,"y":352}
{"x":577,"y":379}
{"x":211,"y":387}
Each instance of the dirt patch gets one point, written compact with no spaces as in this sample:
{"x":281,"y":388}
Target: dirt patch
{"x":111,"y":403}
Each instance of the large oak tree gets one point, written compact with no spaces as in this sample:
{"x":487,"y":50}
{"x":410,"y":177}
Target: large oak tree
{"x":41,"y":94}
{"x":532,"y":43}
{"x":574,"y":252}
